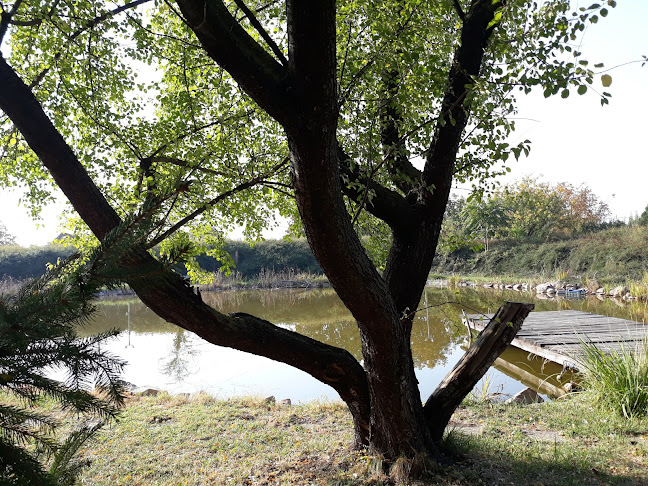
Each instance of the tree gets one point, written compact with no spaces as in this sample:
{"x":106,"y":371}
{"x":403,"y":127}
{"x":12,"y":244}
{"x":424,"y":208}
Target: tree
{"x":6,"y":238}
{"x":346,"y":95}
{"x":643,"y":219}
{"x":527,"y":209}
{"x":38,"y":335}
{"x":535,"y":210}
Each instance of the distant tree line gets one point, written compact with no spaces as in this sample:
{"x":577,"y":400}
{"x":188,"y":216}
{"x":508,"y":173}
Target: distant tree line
{"x":527,"y":210}
{"x":20,"y":263}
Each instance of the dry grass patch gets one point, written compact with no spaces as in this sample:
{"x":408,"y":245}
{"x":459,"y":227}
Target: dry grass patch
{"x":200,"y":440}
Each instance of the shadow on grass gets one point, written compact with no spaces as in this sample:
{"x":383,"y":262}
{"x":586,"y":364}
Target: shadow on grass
{"x":487,"y":462}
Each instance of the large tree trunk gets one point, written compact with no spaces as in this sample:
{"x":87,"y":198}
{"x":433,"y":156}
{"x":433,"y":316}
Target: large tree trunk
{"x":301,"y":93}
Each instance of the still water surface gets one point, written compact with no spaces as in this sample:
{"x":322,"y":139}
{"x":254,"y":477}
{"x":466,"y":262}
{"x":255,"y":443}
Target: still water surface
{"x":164,"y":356}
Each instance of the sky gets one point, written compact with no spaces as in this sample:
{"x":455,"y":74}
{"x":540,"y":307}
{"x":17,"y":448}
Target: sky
{"x":577,"y":140}
{"x":574,"y":140}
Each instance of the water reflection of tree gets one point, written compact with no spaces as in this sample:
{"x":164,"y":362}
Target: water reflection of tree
{"x":181,"y":361}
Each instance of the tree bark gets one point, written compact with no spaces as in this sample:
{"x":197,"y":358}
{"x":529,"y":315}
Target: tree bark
{"x":302,"y":95}
{"x":491,"y":342}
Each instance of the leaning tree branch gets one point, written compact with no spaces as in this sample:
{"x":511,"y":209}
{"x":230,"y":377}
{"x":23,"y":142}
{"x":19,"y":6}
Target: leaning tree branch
{"x":491,"y":342}
{"x":455,"y":107}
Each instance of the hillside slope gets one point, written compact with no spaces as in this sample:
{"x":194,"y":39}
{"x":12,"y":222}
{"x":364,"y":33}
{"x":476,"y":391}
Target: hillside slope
{"x":613,"y":255}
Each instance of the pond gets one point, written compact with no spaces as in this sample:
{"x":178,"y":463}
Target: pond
{"x":164,"y":356}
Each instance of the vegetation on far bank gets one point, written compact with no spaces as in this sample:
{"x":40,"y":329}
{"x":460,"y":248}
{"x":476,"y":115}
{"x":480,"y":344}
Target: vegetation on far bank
{"x":198,"y":440}
{"x":614,"y":255}
{"x":248,"y":261}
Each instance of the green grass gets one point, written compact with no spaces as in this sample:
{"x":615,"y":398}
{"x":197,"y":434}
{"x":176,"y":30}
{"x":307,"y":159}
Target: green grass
{"x":618,"y":378}
{"x":201,"y":440}
{"x":611,"y":256}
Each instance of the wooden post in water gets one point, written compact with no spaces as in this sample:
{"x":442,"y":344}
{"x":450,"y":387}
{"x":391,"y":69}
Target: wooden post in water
{"x":482,"y":353}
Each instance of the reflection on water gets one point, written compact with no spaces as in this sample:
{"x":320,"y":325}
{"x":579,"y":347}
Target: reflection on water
{"x":182,"y":360}
{"x":162,"y":355}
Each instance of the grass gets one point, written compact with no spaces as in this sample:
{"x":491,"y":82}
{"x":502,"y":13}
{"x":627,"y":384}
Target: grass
{"x":266,"y":279}
{"x":618,"y":378}
{"x":613,"y":255}
{"x":200,"y":440}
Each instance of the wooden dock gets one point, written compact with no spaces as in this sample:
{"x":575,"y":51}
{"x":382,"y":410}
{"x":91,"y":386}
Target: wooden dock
{"x":557,"y":335}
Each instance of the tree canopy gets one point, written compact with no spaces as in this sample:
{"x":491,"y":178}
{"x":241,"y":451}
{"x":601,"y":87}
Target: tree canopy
{"x":6,"y":238}
{"x":524,"y":210}
{"x":351,"y":118}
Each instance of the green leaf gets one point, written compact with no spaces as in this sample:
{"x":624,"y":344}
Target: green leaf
{"x":564,"y":93}
{"x":606,"y":80}
{"x":582,"y":89}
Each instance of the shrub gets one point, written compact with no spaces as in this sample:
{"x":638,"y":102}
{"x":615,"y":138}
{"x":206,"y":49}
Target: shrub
{"x":618,"y":378}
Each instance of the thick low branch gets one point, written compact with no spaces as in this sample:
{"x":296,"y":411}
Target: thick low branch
{"x":168,"y":294}
{"x":457,"y":384}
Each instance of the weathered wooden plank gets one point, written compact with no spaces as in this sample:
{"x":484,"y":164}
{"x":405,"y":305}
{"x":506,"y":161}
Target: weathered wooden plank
{"x":558,"y":335}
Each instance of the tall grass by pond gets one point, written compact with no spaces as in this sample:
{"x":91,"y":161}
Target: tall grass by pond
{"x":618,"y":379}
{"x":266,"y":279}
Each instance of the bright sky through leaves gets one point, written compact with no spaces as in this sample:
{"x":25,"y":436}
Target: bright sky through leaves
{"x":573,"y":140}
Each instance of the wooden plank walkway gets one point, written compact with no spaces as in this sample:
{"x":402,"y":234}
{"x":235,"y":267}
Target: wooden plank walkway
{"x":557,"y":335}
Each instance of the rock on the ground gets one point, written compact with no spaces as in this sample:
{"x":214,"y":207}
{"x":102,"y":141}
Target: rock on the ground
{"x":619,"y":291}
{"x":525,"y":397}
{"x":544,"y":288}
{"x":145,"y":391}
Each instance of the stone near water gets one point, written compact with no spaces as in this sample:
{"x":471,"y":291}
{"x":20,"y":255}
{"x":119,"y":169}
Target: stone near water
{"x":619,"y":291}
{"x":544,"y":288}
{"x":525,"y":397}
{"x":145,"y":391}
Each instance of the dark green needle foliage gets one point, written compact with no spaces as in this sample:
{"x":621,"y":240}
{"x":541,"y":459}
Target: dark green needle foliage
{"x":38,"y":339}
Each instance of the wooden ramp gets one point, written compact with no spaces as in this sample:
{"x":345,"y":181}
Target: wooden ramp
{"x":557,"y":335}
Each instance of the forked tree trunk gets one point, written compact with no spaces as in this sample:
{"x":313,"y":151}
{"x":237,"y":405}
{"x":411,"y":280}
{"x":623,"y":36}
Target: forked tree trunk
{"x":397,"y":421}
{"x":399,"y":424}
